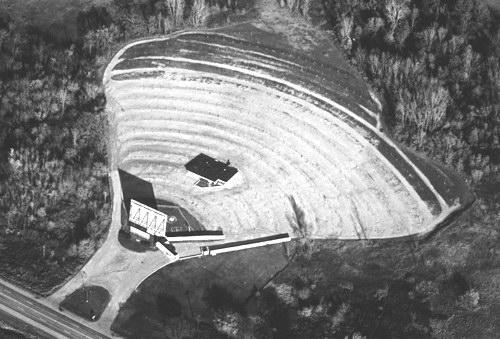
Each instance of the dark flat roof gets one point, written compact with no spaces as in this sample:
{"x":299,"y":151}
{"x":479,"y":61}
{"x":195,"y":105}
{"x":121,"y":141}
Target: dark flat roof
{"x":192,"y":233}
{"x":210,"y":168}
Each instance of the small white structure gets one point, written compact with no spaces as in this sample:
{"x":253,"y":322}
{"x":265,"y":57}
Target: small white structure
{"x":245,"y":244}
{"x":210,"y":172}
{"x":164,"y":246}
{"x":184,"y":236}
{"x":152,"y":220}
{"x":137,"y":231}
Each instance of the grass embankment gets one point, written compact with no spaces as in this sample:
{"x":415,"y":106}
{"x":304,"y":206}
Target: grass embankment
{"x":156,"y":117}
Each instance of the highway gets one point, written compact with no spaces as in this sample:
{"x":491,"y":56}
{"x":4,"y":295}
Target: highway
{"x":44,"y":317}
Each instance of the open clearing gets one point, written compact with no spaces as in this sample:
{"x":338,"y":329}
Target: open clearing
{"x":295,"y":127}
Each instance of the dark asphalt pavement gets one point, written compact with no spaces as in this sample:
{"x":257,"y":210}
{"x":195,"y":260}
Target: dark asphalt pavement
{"x":45,"y":316}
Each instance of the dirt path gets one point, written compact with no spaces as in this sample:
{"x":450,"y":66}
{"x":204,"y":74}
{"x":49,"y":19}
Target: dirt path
{"x":299,"y":34}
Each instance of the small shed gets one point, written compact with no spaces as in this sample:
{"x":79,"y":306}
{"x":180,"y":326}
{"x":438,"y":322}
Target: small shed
{"x":167,"y":248}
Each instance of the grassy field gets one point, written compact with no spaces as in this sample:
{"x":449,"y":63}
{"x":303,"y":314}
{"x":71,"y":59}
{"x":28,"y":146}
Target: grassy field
{"x":444,"y":286}
{"x":87,"y":302}
{"x":239,"y":273}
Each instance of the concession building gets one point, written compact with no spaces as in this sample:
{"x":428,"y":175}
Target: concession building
{"x":209,"y":172}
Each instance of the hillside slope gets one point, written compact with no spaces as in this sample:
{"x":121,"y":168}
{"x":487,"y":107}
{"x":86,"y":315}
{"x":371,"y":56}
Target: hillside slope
{"x":298,"y":128}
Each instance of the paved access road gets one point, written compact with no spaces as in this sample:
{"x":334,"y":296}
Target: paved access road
{"x":44,"y":317}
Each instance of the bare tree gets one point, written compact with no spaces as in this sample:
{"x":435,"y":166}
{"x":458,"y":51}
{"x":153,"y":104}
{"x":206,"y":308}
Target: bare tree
{"x":63,"y":97}
{"x":470,"y":59}
{"x":346,"y":25}
{"x":292,"y":4}
{"x":430,"y":35}
{"x":424,"y":108}
{"x":395,"y":10}
{"x":89,"y":41}
{"x":3,"y":36}
{"x":199,"y":13}
{"x":304,"y":6}
{"x":414,"y":16}
{"x":176,"y":10}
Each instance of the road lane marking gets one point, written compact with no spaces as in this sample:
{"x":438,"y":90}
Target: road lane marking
{"x":44,"y":316}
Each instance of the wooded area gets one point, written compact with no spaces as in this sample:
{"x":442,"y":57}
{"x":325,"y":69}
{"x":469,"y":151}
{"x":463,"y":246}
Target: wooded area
{"x":435,"y":64}
{"x":55,"y":201}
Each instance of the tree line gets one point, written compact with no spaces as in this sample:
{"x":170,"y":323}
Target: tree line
{"x":435,"y":64}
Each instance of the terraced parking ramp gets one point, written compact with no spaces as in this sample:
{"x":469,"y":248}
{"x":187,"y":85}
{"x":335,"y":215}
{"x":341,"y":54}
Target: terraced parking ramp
{"x":297,"y":129}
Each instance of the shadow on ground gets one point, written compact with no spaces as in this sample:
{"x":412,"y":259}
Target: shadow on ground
{"x":136,"y":188}
{"x":180,"y":221}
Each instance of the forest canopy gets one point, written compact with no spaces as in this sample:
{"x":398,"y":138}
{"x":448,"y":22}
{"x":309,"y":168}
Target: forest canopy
{"x":435,"y":65}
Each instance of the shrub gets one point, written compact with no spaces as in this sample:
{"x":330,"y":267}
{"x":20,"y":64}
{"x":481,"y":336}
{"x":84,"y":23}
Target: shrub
{"x":470,"y":300}
{"x":228,"y":323}
{"x":286,"y":294}
{"x":338,"y":318}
